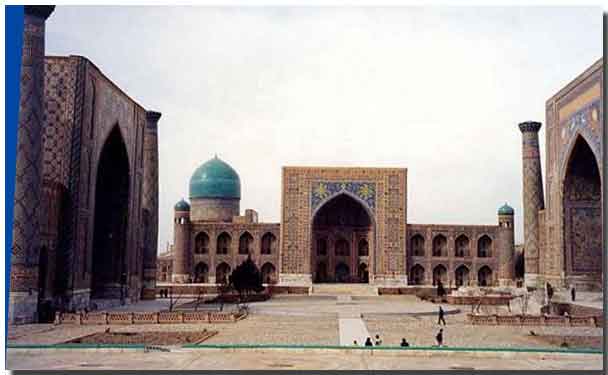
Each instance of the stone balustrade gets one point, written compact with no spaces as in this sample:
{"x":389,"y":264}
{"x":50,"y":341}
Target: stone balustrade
{"x":536,"y":320}
{"x":166,"y":317}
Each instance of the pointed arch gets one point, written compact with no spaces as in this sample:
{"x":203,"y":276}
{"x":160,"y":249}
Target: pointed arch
{"x":269,"y":271}
{"x":440,"y":246}
{"x":417,"y":245}
{"x":201,"y":243}
{"x":461,"y":246}
{"x":581,"y":190}
{"x":366,"y":207}
{"x":201,"y":272}
{"x":111,"y":217}
{"x":417,"y":275}
{"x":268,"y":244}
{"x":484,"y":246}
{"x":245,"y":243}
{"x":461,"y":275}
{"x":223,"y":243}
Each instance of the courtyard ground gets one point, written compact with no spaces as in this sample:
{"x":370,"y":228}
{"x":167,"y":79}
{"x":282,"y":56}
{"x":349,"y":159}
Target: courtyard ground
{"x":320,"y":321}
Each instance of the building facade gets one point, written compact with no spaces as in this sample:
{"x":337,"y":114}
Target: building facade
{"x":86,"y":191}
{"x":563,"y":220}
{"x":337,"y":225}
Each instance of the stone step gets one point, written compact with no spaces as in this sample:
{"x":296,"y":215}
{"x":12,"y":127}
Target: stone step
{"x":344,"y":289}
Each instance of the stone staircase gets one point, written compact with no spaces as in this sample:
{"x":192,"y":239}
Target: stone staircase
{"x":344,"y":290}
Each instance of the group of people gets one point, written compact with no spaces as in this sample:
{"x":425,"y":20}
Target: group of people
{"x":164,"y":293}
{"x":368,"y":341}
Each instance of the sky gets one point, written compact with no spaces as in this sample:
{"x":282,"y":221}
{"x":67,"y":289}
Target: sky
{"x":436,"y":90}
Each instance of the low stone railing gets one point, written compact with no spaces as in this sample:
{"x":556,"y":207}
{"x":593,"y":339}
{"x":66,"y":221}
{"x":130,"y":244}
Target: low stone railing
{"x":491,"y":300}
{"x":167,"y":317}
{"x":536,"y":320}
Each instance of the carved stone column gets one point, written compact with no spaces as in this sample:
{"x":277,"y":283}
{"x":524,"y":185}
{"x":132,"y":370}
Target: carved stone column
{"x":533,"y":198}
{"x":25,"y":247}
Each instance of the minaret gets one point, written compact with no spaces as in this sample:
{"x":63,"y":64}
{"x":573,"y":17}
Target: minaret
{"x":150,"y":203}
{"x":533,"y":198}
{"x":506,"y":246}
{"x":25,"y":247}
{"x":181,"y":243}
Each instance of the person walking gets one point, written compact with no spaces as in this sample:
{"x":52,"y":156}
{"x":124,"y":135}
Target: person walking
{"x":368,"y":342}
{"x":573,"y":294}
{"x":404,"y":343}
{"x":439,"y":337}
{"x":441,"y":316}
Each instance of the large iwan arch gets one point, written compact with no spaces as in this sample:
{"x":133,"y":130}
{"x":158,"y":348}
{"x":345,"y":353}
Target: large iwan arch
{"x":345,"y":223}
{"x":112,"y":189}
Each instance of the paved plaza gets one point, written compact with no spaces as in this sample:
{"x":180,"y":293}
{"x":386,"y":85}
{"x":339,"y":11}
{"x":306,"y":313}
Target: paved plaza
{"x":321,"y":321}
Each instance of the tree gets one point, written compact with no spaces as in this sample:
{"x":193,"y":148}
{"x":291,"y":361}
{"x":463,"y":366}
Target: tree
{"x":246,"y":279}
{"x":173,"y":298}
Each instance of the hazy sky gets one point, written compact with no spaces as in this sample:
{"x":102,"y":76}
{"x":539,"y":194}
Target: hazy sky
{"x":439,"y":91}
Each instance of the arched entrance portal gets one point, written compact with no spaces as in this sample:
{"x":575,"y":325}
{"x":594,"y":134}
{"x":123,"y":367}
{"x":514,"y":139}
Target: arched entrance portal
{"x":582,"y":214}
{"x":109,"y":271}
{"x":343,"y":241}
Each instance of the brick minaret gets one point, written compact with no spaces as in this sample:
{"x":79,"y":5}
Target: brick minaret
{"x":533,"y":198}
{"x":181,"y":243}
{"x":28,"y":180}
{"x":506,"y":246}
{"x":150,"y":203}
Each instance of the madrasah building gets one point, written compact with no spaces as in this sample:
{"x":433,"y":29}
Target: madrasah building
{"x":351,"y":224}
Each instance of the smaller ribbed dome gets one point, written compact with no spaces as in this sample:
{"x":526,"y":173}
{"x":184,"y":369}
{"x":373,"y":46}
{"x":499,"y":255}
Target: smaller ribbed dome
{"x":182,"y":205}
{"x":505,"y":209}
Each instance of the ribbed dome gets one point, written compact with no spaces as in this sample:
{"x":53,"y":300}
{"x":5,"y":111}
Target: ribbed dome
{"x":215,"y":179}
{"x":182,"y":205}
{"x":506,"y":210}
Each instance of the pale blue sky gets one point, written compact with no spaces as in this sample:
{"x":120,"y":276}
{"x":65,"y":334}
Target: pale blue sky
{"x":436,"y":90}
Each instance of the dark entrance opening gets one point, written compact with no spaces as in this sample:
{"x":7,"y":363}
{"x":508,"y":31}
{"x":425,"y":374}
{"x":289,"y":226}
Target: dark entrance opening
{"x":582,"y":213}
{"x":342,"y":240}
{"x":109,"y":269}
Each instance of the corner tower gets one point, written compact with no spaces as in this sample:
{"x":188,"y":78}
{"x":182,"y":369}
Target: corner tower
{"x":181,"y":242}
{"x":533,"y":198}
{"x":506,"y":245}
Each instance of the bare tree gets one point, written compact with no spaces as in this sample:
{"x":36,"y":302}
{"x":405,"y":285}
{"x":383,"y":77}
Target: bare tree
{"x":174,"y":299}
{"x":199,"y":298}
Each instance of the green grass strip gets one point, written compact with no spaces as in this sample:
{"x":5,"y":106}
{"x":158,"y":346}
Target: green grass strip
{"x":293,"y":346}
{"x":411,"y":348}
{"x":76,"y":346}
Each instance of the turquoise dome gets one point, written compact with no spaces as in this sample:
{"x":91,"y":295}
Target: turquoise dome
{"x":182,"y":205}
{"x":215,"y":179}
{"x":506,"y":210}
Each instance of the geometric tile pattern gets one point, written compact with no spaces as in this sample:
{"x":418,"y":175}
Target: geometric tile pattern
{"x":28,"y":188}
{"x":59,"y":88}
{"x":323,"y":191}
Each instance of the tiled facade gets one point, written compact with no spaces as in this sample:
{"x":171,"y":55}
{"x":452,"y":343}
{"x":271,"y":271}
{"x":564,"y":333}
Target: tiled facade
{"x":80,"y":110}
{"x":341,"y":225}
{"x":570,"y":223}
